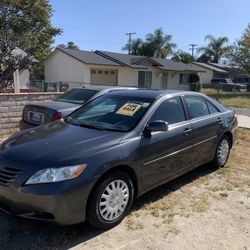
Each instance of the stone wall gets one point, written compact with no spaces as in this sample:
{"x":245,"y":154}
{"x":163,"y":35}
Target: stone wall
{"x":11,"y":107}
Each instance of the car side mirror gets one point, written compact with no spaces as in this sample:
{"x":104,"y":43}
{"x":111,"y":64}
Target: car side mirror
{"x":157,"y":126}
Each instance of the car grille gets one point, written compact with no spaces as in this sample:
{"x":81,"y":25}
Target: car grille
{"x":8,"y":175}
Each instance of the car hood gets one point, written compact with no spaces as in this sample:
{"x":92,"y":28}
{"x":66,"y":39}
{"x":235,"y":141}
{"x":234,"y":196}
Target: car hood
{"x":59,"y":106}
{"x":57,"y":144}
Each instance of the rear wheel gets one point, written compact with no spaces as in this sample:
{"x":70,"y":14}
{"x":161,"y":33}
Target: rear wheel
{"x":222,"y":152}
{"x":110,"y":201}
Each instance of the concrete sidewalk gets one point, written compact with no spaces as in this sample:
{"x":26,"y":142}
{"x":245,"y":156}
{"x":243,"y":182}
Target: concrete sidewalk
{"x":244,"y":121}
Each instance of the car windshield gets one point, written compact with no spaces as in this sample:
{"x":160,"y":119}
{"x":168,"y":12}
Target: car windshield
{"x":77,"y":96}
{"x":114,"y":113}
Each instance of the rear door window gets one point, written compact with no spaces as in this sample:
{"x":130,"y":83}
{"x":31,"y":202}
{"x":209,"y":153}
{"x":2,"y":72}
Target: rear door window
{"x":77,"y":96}
{"x":197,"y":106}
{"x":212,"y":108}
{"x":170,"y":110}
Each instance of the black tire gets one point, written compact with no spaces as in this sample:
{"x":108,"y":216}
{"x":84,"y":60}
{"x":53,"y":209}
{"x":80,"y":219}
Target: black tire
{"x":94,"y":216}
{"x":217,"y":161}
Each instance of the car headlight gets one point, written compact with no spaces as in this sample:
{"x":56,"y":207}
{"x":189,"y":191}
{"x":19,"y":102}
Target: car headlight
{"x":56,"y":174}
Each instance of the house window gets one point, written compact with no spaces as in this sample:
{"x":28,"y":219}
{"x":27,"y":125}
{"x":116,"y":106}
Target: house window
{"x":112,"y":72}
{"x":144,"y":79}
{"x":184,"y":78}
{"x":106,"y":72}
{"x":93,"y":71}
{"x":99,"y":72}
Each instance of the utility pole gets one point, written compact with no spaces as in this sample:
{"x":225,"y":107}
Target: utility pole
{"x":192,"y":48}
{"x":129,"y":41}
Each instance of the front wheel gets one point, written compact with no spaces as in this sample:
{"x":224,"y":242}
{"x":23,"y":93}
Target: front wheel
{"x":222,"y":152}
{"x":110,"y":201}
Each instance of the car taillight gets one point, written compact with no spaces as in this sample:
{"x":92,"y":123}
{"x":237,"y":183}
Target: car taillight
{"x":57,"y":116}
{"x":235,"y":117}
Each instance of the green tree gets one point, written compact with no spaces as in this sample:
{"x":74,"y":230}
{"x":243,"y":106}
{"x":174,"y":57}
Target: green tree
{"x":70,"y":45}
{"x":215,"y":49}
{"x":26,"y":24}
{"x":182,"y":56}
{"x":240,"y":51}
{"x":156,"y":44}
{"x":159,"y":44}
{"x":136,"y":47}
{"x":204,"y":58}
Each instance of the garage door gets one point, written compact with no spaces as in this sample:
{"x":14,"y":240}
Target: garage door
{"x":104,"y":76}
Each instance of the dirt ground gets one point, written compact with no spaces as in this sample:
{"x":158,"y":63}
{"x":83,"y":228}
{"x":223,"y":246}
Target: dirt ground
{"x":205,"y":209}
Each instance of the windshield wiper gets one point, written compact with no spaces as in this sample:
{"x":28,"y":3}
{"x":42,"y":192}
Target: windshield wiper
{"x":68,"y":101}
{"x":86,"y":125}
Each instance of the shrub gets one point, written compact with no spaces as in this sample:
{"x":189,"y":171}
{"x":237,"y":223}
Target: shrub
{"x":193,"y":78}
{"x":195,"y":87}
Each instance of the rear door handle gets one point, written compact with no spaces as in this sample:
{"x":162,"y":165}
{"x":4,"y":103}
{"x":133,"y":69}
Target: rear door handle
{"x":187,"y":131}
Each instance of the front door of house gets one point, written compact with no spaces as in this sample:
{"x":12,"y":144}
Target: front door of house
{"x":164,"y":80}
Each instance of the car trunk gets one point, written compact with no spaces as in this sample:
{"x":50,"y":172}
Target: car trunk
{"x":38,"y":115}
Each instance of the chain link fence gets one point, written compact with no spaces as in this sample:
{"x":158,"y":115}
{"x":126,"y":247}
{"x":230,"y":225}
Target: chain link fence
{"x":43,"y":86}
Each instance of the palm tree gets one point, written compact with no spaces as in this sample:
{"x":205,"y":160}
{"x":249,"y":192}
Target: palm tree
{"x":70,"y":45}
{"x":158,"y":44}
{"x":215,"y":49}
{"x":136,"y":47}
{"x":182,"y":56}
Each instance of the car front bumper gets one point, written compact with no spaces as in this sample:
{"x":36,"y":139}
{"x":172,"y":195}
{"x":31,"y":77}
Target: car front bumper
{"x":63,"y":202}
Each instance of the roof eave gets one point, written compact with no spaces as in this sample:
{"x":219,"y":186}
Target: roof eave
{"x":62,"y":50}
{"x":150,"y":59}
{"x":179,"y":70}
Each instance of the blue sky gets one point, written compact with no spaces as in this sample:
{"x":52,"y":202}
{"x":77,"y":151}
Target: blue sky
{"x":99,"y":24}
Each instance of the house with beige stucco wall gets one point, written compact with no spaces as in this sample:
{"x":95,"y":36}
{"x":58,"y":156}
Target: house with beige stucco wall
{"x":102,"y":67}
{"x":208,"y":71}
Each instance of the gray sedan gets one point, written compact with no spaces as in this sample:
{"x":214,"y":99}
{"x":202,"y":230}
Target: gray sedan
{"x":38,"y":114}
{"x":95,"y":162}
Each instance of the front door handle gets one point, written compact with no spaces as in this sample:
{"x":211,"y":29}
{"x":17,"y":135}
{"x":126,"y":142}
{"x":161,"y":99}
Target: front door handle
{"x":219,"y":120}
{"x":187,"y":131}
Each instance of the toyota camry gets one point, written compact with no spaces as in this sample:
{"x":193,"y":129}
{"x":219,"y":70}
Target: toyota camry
{"x":92,"y":164}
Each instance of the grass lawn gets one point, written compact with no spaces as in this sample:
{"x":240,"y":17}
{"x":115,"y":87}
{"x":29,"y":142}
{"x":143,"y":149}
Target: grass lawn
{"x":233,"y":99}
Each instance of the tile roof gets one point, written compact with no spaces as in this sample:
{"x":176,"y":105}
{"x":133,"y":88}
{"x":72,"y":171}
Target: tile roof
{"x":123,"y":59}
{"x":133,"y":61}
{"x":88,"y":57}
{"x":225,"y":67}
{"x":210,"y":67}
{"x":176,"y":66}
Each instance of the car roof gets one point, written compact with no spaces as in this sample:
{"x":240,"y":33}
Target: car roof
{"x":107,"y":87}
{"x":150,"y":93}
{"x":158,"y":93}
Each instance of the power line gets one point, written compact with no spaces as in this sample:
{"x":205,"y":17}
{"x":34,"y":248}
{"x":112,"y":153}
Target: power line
{"x":192,"y":48}
{"x":129,"y":41}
